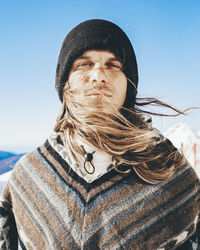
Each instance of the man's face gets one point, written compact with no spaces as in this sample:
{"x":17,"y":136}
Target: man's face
{"x":100,"y":72}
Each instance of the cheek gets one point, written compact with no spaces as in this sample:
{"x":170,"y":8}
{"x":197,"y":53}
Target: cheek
{"x":121,"y":87}
{"x":121,"y":83}
{"x":122,"y":91}
{"x":77,"y":79}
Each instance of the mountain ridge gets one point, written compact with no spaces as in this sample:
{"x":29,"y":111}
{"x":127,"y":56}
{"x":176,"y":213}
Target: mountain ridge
{"x":6,"y":154}
{"x":7,"y":164}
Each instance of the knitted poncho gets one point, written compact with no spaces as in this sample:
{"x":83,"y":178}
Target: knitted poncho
{"x":47,"y":205}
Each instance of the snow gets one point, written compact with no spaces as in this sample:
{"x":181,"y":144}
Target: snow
{"x":4,"y":177}
{"x":182,"y":134}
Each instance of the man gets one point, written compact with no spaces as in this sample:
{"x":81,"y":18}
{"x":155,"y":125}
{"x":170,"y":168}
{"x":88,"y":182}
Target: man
{"x":105,"y":179}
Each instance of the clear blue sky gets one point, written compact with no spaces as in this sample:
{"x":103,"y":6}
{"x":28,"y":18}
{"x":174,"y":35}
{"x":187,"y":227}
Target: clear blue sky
{"x":164,"y":34}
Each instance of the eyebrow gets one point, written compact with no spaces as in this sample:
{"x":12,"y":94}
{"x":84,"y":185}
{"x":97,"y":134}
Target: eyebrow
{"x":83,"y":57}
{"x":109,"y":59}
{"x":88,"y":57}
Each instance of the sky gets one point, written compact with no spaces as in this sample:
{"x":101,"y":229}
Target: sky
{"x":165,"y":36}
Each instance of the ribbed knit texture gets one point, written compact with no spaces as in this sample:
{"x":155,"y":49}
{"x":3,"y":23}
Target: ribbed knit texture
{"x":54,"y":208}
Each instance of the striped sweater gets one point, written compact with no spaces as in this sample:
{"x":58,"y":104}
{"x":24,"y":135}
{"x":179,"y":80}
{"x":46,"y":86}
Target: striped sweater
{"x":47,"y":205}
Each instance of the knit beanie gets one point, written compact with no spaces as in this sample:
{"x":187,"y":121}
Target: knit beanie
{"x":97,"y":34}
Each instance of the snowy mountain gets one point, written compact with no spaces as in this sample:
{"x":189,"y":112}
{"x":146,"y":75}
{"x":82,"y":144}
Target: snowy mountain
{"x":184,"y":138}
{"x":7,"y":162}
{"x":4,"y":155}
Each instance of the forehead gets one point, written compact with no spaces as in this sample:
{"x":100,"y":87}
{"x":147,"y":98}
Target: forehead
{"x":97,"y":54}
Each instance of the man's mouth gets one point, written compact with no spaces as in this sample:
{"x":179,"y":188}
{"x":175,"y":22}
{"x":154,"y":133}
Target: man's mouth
{"x":100,"y":93}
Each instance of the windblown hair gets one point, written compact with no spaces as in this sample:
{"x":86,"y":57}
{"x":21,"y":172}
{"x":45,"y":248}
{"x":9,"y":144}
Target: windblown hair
{"x":123,"y":134}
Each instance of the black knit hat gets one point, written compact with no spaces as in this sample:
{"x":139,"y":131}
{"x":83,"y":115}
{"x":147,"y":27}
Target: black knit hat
{"x":102,"y":35}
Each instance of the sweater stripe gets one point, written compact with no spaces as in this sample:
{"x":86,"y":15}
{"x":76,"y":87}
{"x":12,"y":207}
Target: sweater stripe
{"x":56,"y":199}
{"x":106,"y":194}
{"x":76,"y":195}
{"x":136,"y":207}
{"x":133,"y":235}
{"x":26,"y":205}
{"x":21,"y":245}
{"x":61,"y":207}
{"x":124,"y":204}
{"x":63,"y":163}
{"x":109,"y":190}
{"x":123,"y":184}
{"x":142,"y":230}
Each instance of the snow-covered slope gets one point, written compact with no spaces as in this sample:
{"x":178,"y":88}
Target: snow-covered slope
{"x":181,"y":133}
{"x":3,"y":179}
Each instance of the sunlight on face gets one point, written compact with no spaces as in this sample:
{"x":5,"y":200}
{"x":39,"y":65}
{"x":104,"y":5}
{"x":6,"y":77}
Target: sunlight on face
{"x":100,"y":72}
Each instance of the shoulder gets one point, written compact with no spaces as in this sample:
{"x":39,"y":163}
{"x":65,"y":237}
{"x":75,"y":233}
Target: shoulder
{"x":29,"y":160}
{"x":182,"y":193}
{"x":180,"y":201}
{"x":185,"y":180}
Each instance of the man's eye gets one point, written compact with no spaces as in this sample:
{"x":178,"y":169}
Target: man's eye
{"x":83,"y":65}
{"x":113,"y":65}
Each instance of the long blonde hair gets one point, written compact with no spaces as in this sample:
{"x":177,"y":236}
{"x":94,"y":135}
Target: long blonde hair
{"x":123,"y":134}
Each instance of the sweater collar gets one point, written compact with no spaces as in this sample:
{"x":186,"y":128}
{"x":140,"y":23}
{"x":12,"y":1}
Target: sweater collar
{"x":101,"y":161}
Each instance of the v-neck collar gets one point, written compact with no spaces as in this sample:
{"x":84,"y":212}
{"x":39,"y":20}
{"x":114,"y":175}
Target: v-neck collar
{"x":102,"y":161}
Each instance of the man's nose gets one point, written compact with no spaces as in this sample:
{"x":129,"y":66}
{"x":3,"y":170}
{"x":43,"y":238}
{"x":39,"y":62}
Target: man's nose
{"x":97,"y":76}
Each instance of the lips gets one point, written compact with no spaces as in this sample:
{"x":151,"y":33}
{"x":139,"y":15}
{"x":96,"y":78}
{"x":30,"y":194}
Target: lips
{"x":99,"y":93}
